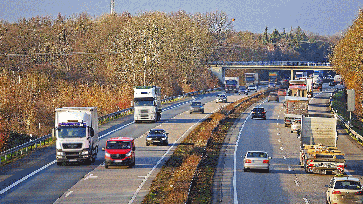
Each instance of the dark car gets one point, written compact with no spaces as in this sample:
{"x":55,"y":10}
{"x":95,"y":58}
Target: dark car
{"x":196,"y":106}
{"x":243,"y":90}
{"x":157,"y":136}
{"x":259,"y":113}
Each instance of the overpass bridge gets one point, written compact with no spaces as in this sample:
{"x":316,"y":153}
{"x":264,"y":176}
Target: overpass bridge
{"x":218,"y":68}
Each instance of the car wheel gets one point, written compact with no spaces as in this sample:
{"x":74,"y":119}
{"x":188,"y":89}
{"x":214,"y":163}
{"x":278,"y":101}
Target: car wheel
{"x":147,"y":144}
{"x":59,"y":163}
{"x":106,"y":166}
{"x":244,"y":169}
{"x":166,"y":143}
{"x":132,"y":163}
{"x":292,"y":131}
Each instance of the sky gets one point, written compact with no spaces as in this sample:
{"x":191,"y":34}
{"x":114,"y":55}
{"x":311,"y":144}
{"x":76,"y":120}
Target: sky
{"x":324,"y":17}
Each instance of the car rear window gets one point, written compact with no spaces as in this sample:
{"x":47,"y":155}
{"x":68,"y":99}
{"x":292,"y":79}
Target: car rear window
{"x":257,"y":154}
{"x":347,"y":185}
{"x":258,"y":109}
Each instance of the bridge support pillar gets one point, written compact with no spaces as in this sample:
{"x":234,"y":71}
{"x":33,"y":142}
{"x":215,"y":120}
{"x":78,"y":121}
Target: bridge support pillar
{"x":219,"y":72}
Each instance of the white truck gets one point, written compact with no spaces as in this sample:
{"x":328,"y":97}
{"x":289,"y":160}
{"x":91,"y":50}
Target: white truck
{"x":76,"y":130}
{"x":251,"y":79}
{"x":295,"y":107}
{"x":318,"y":141}
{"x":231,"y":84}
{"x":147,"y":103}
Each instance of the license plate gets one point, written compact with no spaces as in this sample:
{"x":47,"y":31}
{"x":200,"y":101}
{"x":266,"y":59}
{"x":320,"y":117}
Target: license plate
{"x":118,"y":161}
{"x":72,"y":160}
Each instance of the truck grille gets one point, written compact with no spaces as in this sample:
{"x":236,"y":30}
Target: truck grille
{"x":72,"y":155}
{"x":117,"y":156}
{"x":72,"y":145}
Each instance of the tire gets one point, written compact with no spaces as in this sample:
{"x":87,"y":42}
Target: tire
{"x":59,"y":163}
{"x":147,"y":144}
{"x":132,"y":163}
{"x":245,"y":170}
{"x":292,"y":131}
{"x":106,"y":166}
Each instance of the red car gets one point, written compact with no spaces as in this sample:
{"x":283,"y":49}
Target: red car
{"x":120,"y":151}
{"x":281,"y":92}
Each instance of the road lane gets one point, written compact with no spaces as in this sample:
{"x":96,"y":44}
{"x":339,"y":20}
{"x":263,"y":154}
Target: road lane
{"x":287,"y":182}
{"x":130,"y":185}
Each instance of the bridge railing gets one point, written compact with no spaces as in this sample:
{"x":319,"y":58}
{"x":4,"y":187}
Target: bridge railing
{"x":270,"y":63}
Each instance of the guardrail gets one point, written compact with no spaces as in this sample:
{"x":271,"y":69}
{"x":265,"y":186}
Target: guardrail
{"x":20,"y":149}
{"x":272,"y":63}
{"x":346,"y":124}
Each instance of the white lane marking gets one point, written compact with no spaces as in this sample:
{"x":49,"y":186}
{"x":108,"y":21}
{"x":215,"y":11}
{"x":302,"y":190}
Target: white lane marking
{"x":162,"y":158}
{"x":90,"y":176}
{"x":26,"y":177}
{"x":69,"y":193}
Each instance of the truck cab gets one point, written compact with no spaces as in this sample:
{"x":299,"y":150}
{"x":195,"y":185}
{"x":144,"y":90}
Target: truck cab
{"x":120,"y":151}
{"x":147,"y":103}
{"x":76,"y":130}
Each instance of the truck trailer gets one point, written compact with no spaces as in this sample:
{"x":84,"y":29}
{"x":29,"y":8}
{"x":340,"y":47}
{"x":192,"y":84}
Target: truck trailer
{"x":76,"y":130}
{"x":147,"y":103}
{"x":318,"y":146}
{"x":295,"y":108}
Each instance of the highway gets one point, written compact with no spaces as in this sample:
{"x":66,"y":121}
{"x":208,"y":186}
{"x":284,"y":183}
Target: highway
{"x":93,"y":183}
{"x":286,"y":182}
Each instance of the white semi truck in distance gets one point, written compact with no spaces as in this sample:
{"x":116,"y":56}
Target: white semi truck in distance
{"x":76,"y":130}
{"x":147,"y":103}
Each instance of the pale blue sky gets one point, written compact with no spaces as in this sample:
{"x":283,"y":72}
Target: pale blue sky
{"x":325,"y":17}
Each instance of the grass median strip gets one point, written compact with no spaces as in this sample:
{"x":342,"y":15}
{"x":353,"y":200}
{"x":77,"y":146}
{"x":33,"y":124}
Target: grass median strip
{"x":187,"y":176}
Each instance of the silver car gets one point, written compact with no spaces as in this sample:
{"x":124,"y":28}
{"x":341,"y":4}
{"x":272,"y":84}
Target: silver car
{"x":345,"y":190}
{"x":196,"y":106}
{"x":256,"y":160}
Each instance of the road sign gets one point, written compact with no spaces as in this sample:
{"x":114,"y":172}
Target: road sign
{"x":350,"y":100}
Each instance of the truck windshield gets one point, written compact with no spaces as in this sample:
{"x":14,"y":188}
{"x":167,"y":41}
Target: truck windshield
{"x":231,"y":82}
{"x":118,"y":145}
{"x":71,"y":132}
{"x":143,"y":102}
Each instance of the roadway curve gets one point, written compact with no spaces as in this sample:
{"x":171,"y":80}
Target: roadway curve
{"x":286,"y":182}
{"x":93,"y":183}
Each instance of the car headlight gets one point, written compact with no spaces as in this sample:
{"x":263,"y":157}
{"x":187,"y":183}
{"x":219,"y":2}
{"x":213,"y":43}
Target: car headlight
{"x":163,"y":138}
{"x":85,"y":152}
{"x":107,"y":154}
{"x":128,"y":154}
{"x":148,"y":138}
{"x":60,"y":153}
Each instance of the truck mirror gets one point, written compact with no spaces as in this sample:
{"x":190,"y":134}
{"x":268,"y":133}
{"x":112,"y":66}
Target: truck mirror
{"x":103,"y":149}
